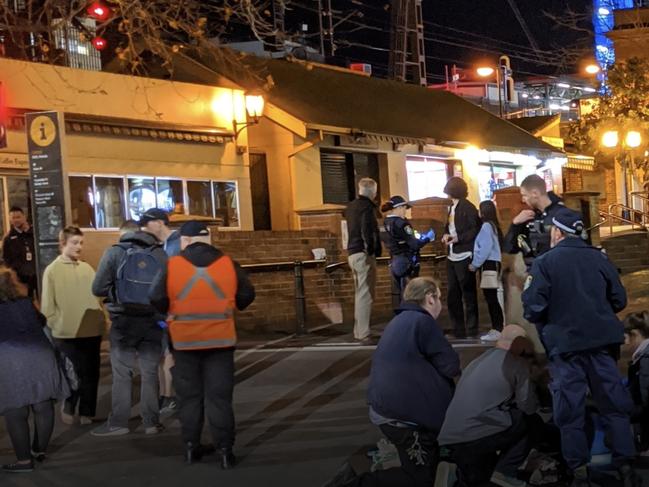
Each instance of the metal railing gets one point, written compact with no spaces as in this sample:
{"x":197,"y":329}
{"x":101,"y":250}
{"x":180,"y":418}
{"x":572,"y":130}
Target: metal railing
{"x":610,"y":216}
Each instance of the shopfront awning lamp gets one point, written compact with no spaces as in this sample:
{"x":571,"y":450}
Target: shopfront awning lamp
{"x":610,"y":139}
{"x":633,"y":139}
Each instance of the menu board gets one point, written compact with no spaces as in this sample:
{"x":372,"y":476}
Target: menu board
{"x":47,"y":190}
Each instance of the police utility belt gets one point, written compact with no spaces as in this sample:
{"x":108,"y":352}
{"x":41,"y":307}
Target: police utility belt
{"x":538,"y":238}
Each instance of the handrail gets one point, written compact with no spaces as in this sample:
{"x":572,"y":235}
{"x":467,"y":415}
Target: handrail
{"x":337,"y":265}
{"x":609,"y":215}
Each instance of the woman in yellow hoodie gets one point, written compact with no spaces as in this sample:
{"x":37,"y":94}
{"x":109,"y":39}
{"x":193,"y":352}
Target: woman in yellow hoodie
{"x":77,"y":321}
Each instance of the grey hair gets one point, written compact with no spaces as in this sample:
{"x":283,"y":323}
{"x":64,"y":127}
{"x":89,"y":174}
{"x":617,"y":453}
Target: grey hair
{"x":367,"y":187}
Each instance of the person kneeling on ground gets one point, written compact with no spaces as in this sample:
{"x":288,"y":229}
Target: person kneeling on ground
{"x":410,"y":387}
{"x":636,"y":329}
{"x":489,"y":414}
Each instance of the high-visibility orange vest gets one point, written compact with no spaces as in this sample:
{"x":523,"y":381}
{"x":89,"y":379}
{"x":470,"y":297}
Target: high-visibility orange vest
{"x":201,"y":304}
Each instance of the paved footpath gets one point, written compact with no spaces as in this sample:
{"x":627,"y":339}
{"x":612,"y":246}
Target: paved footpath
{"x":301,"y":413}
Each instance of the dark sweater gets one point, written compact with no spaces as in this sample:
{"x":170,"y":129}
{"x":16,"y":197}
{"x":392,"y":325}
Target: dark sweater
{"x":413,"y":369}
{"x":362,"y":227}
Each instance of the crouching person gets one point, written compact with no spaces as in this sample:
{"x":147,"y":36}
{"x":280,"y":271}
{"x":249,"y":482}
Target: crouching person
{"x":411,"y":385}
{"x":486,"y":428}
{"x":200,"y":289}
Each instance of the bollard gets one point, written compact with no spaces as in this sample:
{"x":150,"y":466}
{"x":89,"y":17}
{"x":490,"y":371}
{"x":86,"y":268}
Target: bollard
{"x":300,"y":302}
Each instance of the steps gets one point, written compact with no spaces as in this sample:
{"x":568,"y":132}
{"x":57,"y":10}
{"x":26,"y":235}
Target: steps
{"x":628,"y":251}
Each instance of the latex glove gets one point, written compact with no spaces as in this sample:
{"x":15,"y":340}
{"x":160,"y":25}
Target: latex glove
{"x":430,"y":235}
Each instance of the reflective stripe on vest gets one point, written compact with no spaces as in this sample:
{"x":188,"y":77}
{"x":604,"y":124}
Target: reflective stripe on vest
{"x":201,"y":304}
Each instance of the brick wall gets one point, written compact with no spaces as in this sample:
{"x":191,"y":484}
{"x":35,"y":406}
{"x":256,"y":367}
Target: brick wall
{"x":572,"y":180}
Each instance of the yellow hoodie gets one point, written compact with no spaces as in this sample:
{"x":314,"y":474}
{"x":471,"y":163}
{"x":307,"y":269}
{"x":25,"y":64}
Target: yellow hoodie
{"x":67,"y":302}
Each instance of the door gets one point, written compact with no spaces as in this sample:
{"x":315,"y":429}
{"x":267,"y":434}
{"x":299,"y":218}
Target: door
{"x":260,"y":194}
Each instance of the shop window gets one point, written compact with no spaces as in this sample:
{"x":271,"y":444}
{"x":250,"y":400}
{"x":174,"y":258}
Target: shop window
{"x":109,"y":202}
{"x":493,"y":177}
{"x":18,"y":194}
{"x":170,"y":195}
{"x":83,"y":213}
{"x":426,"y":177}
{"x":199,"y":198}
{"x":226,"y":202}
{"x":141,"y":196}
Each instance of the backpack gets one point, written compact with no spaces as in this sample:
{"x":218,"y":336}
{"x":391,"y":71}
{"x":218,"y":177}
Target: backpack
{"x":135,"y":275}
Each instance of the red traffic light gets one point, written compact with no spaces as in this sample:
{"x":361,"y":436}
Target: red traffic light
{"x":99,"y":11}
{"x":99,"y":43}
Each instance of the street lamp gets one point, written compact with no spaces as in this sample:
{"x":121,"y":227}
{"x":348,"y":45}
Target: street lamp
{"x":592,"y":69}
{"x":632,"y":140}
{"x":254,"y":109}
{"x":487,"y":71}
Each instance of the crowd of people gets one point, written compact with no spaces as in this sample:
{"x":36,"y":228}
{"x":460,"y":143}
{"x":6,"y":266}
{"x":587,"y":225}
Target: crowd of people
{"x":476,"y":427}
{"x":170,"y":296}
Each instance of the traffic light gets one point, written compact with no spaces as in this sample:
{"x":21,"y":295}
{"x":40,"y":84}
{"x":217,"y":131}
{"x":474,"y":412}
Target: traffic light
{"x":99,"y":11}
{"x":99,"y":43}
{"x":3,"y":119}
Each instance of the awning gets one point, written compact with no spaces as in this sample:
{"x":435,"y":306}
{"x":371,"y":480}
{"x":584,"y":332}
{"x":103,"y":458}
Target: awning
{"x":578,"y":161}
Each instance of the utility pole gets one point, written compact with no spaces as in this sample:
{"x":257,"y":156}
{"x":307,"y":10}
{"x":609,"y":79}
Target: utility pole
{"x":321,"y":25}
{"x":279,"y":11}
{"x":407,"y":52}
{"x":326,"y":34}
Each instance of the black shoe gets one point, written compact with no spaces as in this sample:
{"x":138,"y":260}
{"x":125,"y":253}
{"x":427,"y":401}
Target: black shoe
{"x":226,"y":458}
{"x":18,"y":467}
{"x":194,"y":453}
{"x":39,"y":456}
{"x":580,"y":478}
{"x":629,"y":477}
{"x":343,"y":476}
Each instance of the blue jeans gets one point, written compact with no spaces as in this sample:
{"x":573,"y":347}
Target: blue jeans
{"x":572,"y":376}
{"x":135,"y":339}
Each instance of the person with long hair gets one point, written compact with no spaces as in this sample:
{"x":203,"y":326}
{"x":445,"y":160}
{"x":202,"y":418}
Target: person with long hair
{"x":30,"y":378}
{"x":76,"y":320}
{"x":487,"y":257}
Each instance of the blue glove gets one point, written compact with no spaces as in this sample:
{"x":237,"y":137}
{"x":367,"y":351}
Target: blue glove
{"x":162,"y":324}
{"x":429,"y":236}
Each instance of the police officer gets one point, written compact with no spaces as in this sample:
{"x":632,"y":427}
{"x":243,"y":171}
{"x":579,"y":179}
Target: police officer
{"x":573,"y":294}
{"x":200,"y":289}
{"x":530,"y":230}
{"x":18,"y":249}
{"x":402,"y":242}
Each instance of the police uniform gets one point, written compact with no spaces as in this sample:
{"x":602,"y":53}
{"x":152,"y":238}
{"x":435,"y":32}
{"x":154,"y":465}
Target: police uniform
{"x":200,"y":290}
{"x":573,"y":294}
{"x":533,"y":238}
{"x":404,"y":246}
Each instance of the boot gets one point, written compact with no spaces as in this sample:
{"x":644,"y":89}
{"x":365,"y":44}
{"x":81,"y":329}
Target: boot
{"x":227,"y":458}
{"x":581,"y":478}
{"x":629,"y":477}
{"x":194,"y":453}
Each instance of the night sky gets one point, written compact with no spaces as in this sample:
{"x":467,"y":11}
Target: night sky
{"x":461,"y":32}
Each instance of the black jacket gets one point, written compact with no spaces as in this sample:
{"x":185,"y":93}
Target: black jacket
{"x":362,"y":227}
{"x":15,"y":247}
{"x":104,"y":284}
{"x":399,"y":237}
{"x":572,"y":296}
{"x":467,"y":225}
{"x":536,"y":232}
{"x":202,"y":255}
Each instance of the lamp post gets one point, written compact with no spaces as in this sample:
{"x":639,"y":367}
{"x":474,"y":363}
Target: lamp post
{"x":501,"y":75}
{"x":632,"y":140}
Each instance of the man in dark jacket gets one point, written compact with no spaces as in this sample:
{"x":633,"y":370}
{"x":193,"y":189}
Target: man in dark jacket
{"x":460,"y":233}
{"x":411,"y":385}
{"x":198,"y":289}
{"x":135,"y":336}
{"x":573,"y":294}
{"x":18,"y":249}
{"x":530,"y":230}
{"x":363,"y":247}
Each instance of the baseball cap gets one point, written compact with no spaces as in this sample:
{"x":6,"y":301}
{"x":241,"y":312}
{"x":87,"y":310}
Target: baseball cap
{"x":194,"y":229}
{"x":154,"y":214}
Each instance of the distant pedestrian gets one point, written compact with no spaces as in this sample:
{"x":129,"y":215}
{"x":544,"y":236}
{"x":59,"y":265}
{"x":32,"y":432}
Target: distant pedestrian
{"x":200,"y":289}
{"x":487,"y":258}
{"x":410,"y":388}
{"x":462,"y":228}
{"x":77,"y":321}
{"x":402,"y":243}
{"x":30,"y":377}
{"x":636,"y":328}
{"x":124,"y":278}
{"x":363,"y":247}
{"x":18,"y":249}
{"x":156,"y":221}
{"x":573,"y":294}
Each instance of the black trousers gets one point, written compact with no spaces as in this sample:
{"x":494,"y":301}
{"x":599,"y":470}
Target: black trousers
{"x":17,"y":421}
{"x":419,"y":456}
{"x":491,"y":297}
{"x":477,"y":460}
{"x":462,"y":298}
{"x":204,"y":382}
{"x":84,"y":354}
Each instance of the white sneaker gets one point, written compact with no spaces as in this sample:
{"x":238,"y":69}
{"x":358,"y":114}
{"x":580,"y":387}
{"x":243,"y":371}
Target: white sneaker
{"x":154,"y":430}
{"x":85,"y":420}
{"x":446,"y":475}
{"x":492,"y":336}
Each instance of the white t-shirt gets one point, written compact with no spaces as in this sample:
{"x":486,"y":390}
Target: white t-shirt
{"x":452,"y":256}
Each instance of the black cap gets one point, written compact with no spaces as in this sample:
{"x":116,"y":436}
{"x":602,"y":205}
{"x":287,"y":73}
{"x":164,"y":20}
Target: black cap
{"x":397,"y":201}
{"x":194,"y":229}
{"x":154,"y":214}
{"x":568,"y":220}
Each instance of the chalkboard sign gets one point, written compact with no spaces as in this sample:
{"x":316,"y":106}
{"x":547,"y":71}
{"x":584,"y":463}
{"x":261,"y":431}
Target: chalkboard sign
{"x":47,"y":189}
